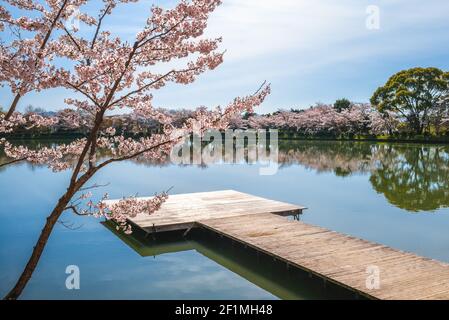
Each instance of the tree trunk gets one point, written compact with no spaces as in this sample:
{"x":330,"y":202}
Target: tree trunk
{"x":52,"y":219}
{"x":420,"y":126}
{"x":13,"y":106}
{"x":416,"y":124}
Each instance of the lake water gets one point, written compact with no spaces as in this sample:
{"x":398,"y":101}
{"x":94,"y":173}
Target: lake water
{"x":394,"y":194}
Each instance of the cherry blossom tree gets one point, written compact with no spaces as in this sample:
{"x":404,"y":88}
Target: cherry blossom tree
{"x":326,"y":120}
{"x":111,"y":74}
{"x":383,"y":123}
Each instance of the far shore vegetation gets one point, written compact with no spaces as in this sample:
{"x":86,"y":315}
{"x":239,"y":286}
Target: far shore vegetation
{"x":412,"y":106}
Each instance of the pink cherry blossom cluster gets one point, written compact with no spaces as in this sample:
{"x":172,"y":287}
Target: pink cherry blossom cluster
{"x":7,"y":126}
{"x":119,"y":211}
{"x":358,"y":119}
{"x":130,"y":207}
{"x":26,"y":61}
{"x":111,"y":73}
{"x":73,"y":119}
{"x":220,"y":119}
{"x":37,"y":30}
{"x":29,"y":120}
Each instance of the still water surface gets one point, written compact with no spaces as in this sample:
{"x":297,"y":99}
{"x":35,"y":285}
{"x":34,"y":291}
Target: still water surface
{"x":394,"y":194}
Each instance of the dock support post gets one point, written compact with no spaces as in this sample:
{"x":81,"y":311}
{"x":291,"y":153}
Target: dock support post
{"x":154,"y":232}
{"x":187,"y":231}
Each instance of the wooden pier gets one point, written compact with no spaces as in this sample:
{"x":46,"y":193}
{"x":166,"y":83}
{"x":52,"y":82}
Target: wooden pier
{"x":369,"y":269}
{"x":181,"y":211}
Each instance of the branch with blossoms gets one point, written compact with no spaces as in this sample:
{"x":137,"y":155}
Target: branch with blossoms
{"x":61,"y":157}
{"x":27,"y":63}
{"x":118,"y":211}
{"x":57,"y":158}
{"x":64,"y":156}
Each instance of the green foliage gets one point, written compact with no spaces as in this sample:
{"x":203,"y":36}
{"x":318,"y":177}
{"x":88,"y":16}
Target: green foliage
{"x":342,"y":104}
{"x":30,"y":109}
{"x":247,"y":115}
{"x":415,"y":94}
{"x":341,"y":172}
{"x":414,"y":179}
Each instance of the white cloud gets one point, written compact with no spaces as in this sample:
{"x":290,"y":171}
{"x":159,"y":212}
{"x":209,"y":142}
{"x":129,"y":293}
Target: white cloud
{"x":255,"y":28}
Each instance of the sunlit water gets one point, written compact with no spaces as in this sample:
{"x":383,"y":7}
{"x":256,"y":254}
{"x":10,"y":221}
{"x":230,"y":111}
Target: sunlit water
{"x":394,"y":194}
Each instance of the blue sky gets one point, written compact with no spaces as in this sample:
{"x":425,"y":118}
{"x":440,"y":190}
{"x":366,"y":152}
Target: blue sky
{"x":310,"y":51}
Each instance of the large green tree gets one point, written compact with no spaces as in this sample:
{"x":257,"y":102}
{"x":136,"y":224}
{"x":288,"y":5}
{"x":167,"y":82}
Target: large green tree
{"x":342,"y":104}
{"x":415,"y":94}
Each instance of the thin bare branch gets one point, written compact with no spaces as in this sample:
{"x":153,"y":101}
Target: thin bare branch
{"x":161,"y":35}
{"x":97,"y":30}
{"x":77,"y":88}
{"x":73,"y":39}
{"x":11,"y":162}
{"x":142,"y":88}
{"x":105,"y":163}
{"x":75,"y":210}
{"x":260,"y":88}
{"x":94,"y":186}
{"x":70,"y":226}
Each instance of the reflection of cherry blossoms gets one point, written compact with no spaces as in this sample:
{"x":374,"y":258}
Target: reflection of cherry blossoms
{"x":58,"y":157}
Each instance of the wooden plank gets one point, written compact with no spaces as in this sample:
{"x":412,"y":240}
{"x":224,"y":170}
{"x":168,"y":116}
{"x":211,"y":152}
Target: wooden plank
{"x":337,"y":257}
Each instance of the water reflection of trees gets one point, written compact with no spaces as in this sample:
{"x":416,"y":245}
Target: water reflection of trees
{"x":341,"y":158}
{"x":412,"y":177}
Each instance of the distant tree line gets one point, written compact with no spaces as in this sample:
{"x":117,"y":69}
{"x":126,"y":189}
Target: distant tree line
{"x":412,"y":102}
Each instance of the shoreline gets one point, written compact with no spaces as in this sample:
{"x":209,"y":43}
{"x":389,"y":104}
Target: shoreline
{"x":387,"y":140}
{"x":281,"y":137}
